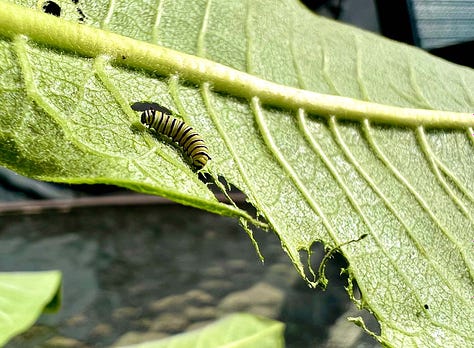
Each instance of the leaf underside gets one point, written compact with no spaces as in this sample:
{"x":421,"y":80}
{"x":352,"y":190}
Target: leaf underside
{"x":66,"y":117}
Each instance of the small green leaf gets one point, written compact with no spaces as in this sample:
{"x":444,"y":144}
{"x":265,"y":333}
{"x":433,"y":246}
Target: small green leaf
{"x":237,"y":331}
{"x":23,"y":297}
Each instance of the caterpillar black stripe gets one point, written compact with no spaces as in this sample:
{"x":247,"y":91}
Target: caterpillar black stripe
{"x":161,"y":120}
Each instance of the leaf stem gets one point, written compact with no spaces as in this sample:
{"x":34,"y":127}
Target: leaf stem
{"x":92,"y":42}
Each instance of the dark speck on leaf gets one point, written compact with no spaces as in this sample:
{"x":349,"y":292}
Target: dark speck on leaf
{"x":52,"y":8}
{"x":426,"y":306}
{"x":82,"y":16}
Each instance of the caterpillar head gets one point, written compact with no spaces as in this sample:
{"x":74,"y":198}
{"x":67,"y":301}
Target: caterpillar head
{"x":200,"y":159}
{"x":148,"y":117}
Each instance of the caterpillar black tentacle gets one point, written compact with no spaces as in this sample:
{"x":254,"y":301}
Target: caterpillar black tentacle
{"x":161,"y":120}
{"x":144,"y":106}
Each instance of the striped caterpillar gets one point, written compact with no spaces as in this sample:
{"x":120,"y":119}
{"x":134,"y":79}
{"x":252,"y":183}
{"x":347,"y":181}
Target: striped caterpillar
{"x":161,"y":120}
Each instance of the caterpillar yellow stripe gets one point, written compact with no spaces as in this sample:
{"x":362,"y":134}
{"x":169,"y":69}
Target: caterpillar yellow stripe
{"x":161,"y":120}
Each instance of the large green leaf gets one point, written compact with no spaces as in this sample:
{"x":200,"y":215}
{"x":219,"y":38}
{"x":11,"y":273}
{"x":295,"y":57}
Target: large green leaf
{"x":238,"y":330}
{"x":23,"y":297}
{"x":332,"y":132}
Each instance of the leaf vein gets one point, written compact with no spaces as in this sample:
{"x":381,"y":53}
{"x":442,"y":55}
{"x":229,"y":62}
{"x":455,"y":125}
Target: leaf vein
{"x":467,"y":90}
{"x":108,"y":16}
{"x":453,"y":177}
{"x":32,"y":91}
{"x":201,"y":46}
{"x":414,"y":84}
{"x":360,"y":82}
{"x":155,"y":33}
{"x":92,"y":42}
{"x":416,"y":195}
{"x":325,"y":67}
{"x":350,"y":156}
{"x":100,"y":68}
{"x":251,"y":194}
{"x":248,"y":39}
{"x":314,"y":145}
{"x":296,"y":66}
{"x":433,"y":162}
{"x":265,"y":132}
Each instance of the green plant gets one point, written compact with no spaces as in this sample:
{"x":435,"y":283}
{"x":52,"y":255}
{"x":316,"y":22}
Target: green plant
{"x":236,"y":330}
{"x":23,"y":296}
{"x":330,"y":131}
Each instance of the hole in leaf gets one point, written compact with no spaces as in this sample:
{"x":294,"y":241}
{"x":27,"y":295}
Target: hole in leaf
{"x":355,"y":289}
{"x":227,"y":193}
{"x":312,"y":259}
{"x":369,"y":319}
{"x":316,"y":318}
{"x":52,"y":8}
{"x":318,"y":272}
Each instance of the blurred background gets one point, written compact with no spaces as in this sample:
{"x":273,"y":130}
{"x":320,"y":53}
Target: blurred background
{"x":139,"y":267}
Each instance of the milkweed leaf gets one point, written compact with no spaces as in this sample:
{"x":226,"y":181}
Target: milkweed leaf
{"x":331,"y":132}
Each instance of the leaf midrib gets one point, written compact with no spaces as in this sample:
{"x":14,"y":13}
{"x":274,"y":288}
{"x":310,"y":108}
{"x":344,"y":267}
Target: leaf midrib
{"x":93,"y":42}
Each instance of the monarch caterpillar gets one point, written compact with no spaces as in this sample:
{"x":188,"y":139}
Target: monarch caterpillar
{"x":161,"y":120}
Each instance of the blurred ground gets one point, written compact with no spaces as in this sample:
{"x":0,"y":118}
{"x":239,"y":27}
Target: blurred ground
{"x":138,"y":273}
